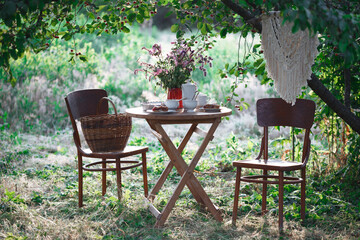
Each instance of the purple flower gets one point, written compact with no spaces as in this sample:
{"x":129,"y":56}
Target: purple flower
{"x":155,"y":51}
{"x":137,"y":71}
{"x":176,"y":67}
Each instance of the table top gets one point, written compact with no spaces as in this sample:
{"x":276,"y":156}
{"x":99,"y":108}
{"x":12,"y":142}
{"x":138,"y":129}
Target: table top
{"x":178,"y":115}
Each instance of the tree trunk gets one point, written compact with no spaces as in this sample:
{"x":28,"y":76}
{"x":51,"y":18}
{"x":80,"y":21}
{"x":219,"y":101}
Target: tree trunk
{"x":315,"y":84}
{"x":350,"y":118}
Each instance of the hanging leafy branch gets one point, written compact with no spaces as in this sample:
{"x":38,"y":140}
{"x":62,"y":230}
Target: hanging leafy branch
{"x":33,"y":25}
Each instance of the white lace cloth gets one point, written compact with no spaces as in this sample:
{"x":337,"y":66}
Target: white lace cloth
{"x":288,"y":56}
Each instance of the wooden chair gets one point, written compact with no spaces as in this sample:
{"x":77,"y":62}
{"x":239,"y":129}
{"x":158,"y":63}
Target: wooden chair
{"x":83,"y":103}
{"x":276,"y":112}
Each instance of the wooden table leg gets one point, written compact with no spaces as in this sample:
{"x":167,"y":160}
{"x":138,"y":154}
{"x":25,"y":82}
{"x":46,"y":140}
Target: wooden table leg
{"x":165,"y":142}
{"x":185,"y":171}
{"x":170,"y":165}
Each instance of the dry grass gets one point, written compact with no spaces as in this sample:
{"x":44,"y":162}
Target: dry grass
{"x":58,"y":217}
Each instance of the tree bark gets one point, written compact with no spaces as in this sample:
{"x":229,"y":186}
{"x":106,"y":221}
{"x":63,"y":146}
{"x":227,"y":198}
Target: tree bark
{"x":350,"y":118}
{"x":247,"y":16}
{"x":315,"y":84}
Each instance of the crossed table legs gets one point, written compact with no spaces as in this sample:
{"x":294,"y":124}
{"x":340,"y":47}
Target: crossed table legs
{"x":186,"y":171}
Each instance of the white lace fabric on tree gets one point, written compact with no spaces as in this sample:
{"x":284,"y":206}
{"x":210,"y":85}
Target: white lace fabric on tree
{"x":288,"y":56}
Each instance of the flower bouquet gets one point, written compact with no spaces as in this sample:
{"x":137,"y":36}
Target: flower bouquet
{"x":174,"y":69}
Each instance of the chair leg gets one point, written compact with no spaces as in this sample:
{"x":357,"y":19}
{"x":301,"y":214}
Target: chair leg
{"x":118,"y":178}
{"x":80,"y":176}
{"x":281,"y":200}
{"x":303,"y":194}
{"x":103,"y":177}
{"x":264,"y":192}
{"x":236,"y":196}
{"x":144,"y":169}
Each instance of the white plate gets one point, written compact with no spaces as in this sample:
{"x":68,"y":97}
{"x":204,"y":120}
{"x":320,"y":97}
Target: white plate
{"x":212,"y":109}
{"x":157,"y":112}
{"x":162,"y":112}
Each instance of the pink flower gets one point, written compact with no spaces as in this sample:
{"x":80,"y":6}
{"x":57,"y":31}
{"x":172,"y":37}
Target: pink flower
{"x":175,"y":68}
{"x":155,"y":51}
{"x":159,"y":71}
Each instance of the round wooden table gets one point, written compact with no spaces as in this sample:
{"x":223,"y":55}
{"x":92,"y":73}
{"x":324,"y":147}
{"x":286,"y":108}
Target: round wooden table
{"x":155,"y":121}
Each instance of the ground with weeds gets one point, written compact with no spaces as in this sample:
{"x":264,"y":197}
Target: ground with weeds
{"x":38,"y":193}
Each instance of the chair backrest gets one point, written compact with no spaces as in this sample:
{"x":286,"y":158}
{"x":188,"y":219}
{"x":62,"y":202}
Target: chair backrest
{"x":277,"y":112}
{"x":82,"y":103}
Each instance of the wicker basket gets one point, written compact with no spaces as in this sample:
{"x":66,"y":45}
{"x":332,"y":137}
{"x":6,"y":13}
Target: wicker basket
{"x":106,"y":132}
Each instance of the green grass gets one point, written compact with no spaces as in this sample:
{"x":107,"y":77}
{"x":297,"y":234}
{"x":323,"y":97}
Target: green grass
{"x":39,"y":198}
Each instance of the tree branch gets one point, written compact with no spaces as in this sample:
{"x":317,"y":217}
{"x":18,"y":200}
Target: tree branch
{"x":350,"y":118}
{"x":248,"y":17}
{"x":315,"y":84}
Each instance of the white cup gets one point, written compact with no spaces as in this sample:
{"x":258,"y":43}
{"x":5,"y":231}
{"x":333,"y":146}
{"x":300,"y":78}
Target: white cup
{"x":189,"y":105}
{"x":172,"y":104}
{"x":201,"y":99}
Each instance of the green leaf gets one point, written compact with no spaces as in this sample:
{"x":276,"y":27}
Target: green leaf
{"x":209,"y":28}
{"x":13,"y":54}
{"x":243,"y":3}
{"x":232,"y":70}
{"x":203,"y":29}
{"x":223,"y":32}
{"x":179,"y":34}
{"x":260,"y":70}
{"x":169,"y":13}
{"x":343,"y":43}
{"x":91,"y":15}
{"x":246,"y":105}
{"x":186,"y":5}
{"x":174,"y":28}
{"x":67,"y":37}
{"x":226,"y":66}
{"x":54,"y":22}
{"x":131,"y":17}
{"x":244,"y":34}
{"x":139,"y":18}
{"x":296,"y":26}
{"x":83,"y":58}
{"x":163,"y":2}
{"x":258,"y":62}
{"x":125,"y":29}
{"x":101,"y":7}
{"x":18,"y":20}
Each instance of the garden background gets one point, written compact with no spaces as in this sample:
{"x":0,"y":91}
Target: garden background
{"x":38,"y":184}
